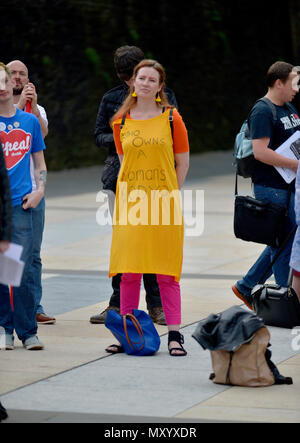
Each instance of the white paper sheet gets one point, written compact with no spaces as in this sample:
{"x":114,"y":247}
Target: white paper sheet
{"x":14,"y":251}
{"x":11,"y":267}
{"x":291,"y":149}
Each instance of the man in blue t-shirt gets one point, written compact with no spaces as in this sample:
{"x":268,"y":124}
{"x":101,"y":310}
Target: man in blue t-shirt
{"x":267,"y":135}
{"x":21,"y":136}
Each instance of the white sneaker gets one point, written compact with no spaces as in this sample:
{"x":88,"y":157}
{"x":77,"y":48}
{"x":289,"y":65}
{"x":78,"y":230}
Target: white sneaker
{"x":33,"y":344}
{"x":7,"y":342}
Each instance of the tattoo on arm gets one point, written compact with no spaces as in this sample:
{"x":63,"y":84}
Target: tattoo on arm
{"x":43,"y":177}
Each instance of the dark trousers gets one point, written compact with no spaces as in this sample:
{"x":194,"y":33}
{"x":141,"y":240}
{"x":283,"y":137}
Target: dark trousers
{"x":153,"y":299}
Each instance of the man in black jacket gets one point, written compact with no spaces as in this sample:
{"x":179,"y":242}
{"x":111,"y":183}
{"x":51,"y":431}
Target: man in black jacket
{"x":125,"y":60}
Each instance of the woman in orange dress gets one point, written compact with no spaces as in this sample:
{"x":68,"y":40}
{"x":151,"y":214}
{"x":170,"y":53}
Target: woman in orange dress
{"x":148,"y":223}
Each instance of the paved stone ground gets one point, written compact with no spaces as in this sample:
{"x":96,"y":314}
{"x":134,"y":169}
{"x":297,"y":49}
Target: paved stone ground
{"x":74,"y":380}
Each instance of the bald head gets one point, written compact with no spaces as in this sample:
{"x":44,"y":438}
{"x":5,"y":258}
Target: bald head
{"x":17,"y":64}
{"x":19,"y":73}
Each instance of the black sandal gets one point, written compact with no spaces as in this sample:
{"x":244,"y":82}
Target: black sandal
{"x":119,"y":349}
{"x":176,"y":336}
{"x":3,"y":413}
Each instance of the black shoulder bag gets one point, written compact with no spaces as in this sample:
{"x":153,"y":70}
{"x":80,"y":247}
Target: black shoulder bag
{"x":276,"y":305}
{"x":259,"y":221}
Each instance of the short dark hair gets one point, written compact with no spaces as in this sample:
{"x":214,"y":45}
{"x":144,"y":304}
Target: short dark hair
{"x":125,"y":59}
{"x":279,"y":70}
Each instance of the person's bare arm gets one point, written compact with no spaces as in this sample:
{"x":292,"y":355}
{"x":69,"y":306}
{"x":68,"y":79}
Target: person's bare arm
{"x":266,"y":155}
{"x":40,"y":174}
{"x":182,"y":166}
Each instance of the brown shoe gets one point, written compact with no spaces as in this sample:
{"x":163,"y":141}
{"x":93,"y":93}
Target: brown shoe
{"x":100,"y":318}
{"x":157,"y":315}
{"x":43,"y":319}
{"x":247,"y":299}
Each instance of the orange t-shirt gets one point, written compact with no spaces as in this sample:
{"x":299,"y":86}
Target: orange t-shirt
{"x":180,"y":136}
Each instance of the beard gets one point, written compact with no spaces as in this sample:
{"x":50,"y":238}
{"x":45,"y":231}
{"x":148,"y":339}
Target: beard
{"x":18,"y":91}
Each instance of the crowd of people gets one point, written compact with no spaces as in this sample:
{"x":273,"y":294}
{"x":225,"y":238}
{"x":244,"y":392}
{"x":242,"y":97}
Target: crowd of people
{"x":143,"y":249}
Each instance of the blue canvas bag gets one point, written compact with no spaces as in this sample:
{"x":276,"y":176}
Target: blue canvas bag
{"x":136,"y":332}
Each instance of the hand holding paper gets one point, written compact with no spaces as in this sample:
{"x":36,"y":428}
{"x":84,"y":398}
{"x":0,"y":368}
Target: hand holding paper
{"x":11,"y":267}
{"x":291,"y":149}
{"x":4,"y":245}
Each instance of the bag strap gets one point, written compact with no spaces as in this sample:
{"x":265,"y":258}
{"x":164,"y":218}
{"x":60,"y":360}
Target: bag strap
{"x":288,"y":198}
{"x":271,"y":106}
{"x":139,"y":329}
{"x":236,"y":185}
{"x":171,"y":120}
{"x":285,"y":242}
{"x":123,"y":120}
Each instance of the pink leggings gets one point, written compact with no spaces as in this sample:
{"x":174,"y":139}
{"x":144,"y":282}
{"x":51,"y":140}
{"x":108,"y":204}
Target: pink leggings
{"x":169,"y":292}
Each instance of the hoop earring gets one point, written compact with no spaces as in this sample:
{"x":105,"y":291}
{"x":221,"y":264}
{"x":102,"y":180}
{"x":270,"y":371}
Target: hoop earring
{"x":134,"y":94}
{"x":158,"y":99}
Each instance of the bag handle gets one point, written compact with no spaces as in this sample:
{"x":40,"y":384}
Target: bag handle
{"x":137,"y":327}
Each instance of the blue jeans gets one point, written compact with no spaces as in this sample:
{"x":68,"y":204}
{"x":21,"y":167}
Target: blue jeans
{"x":35,"y":284}
{"x":281,"y":267}
{"x":22,"y":318}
